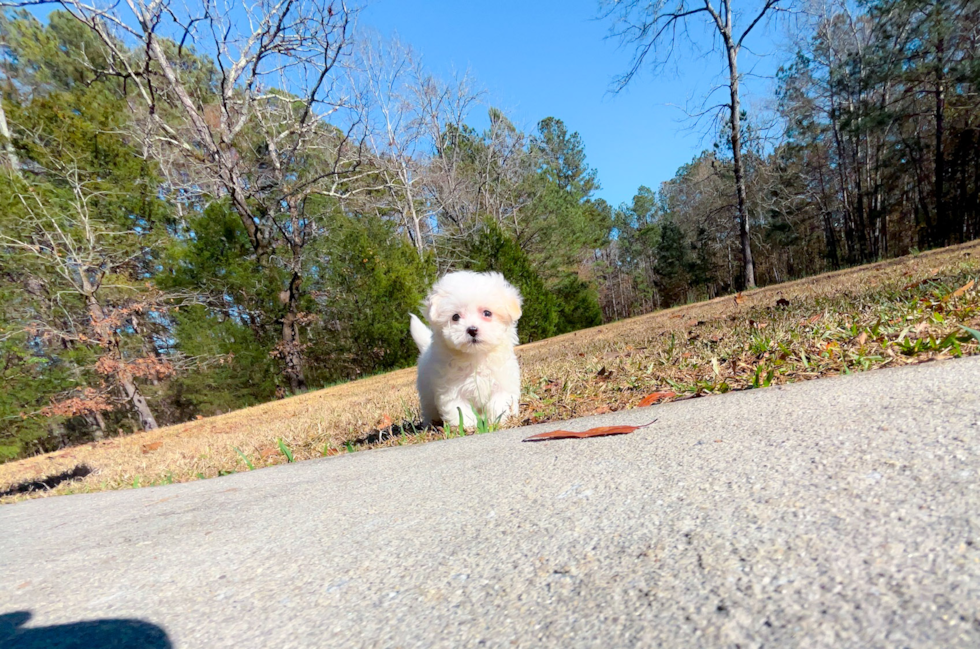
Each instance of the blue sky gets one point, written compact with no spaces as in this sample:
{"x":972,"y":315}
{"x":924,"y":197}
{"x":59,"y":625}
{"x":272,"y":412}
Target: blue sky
{"x":540,"y":58}
{"x":550,"y":57}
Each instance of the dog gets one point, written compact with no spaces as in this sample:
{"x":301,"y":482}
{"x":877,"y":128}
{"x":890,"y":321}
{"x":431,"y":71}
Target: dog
{"x":467,"y":362}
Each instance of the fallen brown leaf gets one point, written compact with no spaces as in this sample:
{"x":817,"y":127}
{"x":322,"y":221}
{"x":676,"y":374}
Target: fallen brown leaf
{"x":602,"y":431}
{"x":151,"y":447}
{"x":739,"y":299}
{"x":861,"y":338}
{"x":654,"y":397}
{"x":963,"y":289}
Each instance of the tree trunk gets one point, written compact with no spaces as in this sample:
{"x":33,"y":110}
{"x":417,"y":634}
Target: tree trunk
{"x":8,"y":146}
{"x":736,"y":124}
{"x":125,"y":380}
{"x":291,"y":356}
{"x":97,"y":423}
{"x":133,"y":394}
{"x":943,"y":227}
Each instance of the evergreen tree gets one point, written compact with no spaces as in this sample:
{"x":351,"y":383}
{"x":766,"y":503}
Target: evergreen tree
{"x":372,"y":278}
{"x":492,"y":249}
{"x":673,"y":263}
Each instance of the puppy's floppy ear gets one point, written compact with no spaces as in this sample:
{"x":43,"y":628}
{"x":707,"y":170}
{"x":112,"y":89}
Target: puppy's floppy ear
{"x":512,"y":302}
{"x":431,"y":306}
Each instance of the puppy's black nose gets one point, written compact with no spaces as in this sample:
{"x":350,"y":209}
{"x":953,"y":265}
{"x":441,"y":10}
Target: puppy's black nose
{"x":472,"y":331}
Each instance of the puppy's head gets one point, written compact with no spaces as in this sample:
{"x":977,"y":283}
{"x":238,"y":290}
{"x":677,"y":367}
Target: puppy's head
{"x":474,"y":312}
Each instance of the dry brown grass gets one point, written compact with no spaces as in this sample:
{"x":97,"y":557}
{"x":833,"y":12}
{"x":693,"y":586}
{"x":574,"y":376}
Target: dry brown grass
{"x":892,"y":313}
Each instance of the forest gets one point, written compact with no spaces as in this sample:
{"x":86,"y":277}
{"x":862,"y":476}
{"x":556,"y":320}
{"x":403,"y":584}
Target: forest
{"x":201,"y":212}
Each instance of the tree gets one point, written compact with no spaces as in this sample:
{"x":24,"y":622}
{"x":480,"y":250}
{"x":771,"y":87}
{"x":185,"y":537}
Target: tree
{"x":372,"y":278}
{"x":251,"y":124}
{"x":493,"y":249}
{"x":563,"y":225}
{"x":653,"y":31}
{"x":673,"y":263}
{"x":75,"y":241}
{"x":408,"y":115}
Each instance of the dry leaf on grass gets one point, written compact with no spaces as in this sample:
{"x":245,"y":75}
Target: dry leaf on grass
{"x":963,"y":289}
{"x":861,"y":338}
{"x":654,"y":397}
{"x":739,"y":299}
{"x":601,"y":431}
{"x":151,"y":447}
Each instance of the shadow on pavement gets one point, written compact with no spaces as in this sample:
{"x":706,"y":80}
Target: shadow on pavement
{"x":93,"y":634}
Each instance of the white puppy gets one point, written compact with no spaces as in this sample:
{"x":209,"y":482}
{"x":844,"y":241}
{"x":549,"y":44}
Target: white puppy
{"x":467,"y":360}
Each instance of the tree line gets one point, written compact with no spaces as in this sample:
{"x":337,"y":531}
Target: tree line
{"x":875,"y":155}
{"x":197,"y":216}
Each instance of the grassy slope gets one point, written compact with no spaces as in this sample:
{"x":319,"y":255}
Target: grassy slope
{"x":892,"y":313}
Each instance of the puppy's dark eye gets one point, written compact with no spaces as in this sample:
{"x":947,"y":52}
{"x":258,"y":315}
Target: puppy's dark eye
{"x":487,"y":314}
{"x":455,"y":317}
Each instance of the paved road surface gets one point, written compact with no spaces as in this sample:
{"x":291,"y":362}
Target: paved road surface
{"x":834,"y":513}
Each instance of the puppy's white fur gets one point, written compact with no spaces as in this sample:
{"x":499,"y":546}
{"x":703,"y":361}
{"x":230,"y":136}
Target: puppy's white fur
{"x":467,"y":359}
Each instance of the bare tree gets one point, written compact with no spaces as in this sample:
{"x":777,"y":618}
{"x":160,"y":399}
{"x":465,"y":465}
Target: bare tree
{"x":442,"y":110}
{"x":654,"y":29}
{"x":441,"y":177}
{"x":83,"y":295}
{"x":244,"y":93}
{"x":400,"y":144}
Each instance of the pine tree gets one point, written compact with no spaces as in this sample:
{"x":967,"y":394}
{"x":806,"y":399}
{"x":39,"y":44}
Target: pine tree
{"x":492,"y":249}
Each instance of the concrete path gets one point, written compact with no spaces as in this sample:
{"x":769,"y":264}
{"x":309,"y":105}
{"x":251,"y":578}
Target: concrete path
{"x":834,"y":513}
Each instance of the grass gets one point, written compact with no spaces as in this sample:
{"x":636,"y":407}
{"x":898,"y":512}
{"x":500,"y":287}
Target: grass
{"x":288,"y":454}
{"x":910,"y":310}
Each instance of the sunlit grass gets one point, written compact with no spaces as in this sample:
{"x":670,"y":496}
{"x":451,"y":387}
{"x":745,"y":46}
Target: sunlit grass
{"x":896,"y":313}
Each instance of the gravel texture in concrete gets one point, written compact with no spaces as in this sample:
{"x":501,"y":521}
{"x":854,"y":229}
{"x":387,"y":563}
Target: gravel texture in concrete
{"x":834,"y":513}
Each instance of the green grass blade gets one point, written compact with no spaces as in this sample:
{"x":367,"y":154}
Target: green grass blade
{"x":245,"y":459}
{"x":972,"y":332}
{"x":285,"y":450}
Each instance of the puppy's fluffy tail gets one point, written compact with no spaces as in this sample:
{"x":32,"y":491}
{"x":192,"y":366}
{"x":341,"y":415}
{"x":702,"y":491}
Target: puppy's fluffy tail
{"x":421,"y":334}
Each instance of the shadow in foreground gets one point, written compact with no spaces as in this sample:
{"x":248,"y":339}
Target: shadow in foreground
{"x":108,"y":634}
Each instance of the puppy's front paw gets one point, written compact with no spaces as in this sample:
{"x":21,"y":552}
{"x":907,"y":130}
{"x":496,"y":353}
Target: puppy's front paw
{"x":501,"y":407}
{"x":451,"y":414}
